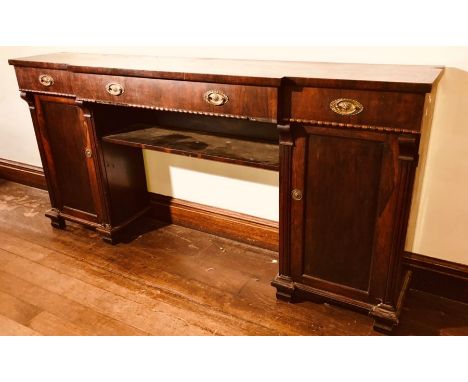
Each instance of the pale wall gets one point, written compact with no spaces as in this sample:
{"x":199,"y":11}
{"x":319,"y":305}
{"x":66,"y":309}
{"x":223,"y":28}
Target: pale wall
{"x":440,"y":215}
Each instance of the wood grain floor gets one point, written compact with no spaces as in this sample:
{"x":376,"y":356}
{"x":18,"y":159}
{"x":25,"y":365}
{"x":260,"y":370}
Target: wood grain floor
{"x":169,"y":280}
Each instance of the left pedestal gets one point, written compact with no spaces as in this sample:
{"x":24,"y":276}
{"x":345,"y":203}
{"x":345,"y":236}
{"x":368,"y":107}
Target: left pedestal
{"x":75,"y":166}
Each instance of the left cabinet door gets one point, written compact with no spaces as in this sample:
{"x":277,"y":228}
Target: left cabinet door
{"x":68,"y":160}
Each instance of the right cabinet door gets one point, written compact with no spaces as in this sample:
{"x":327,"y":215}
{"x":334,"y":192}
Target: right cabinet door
{"x":343,"y":211}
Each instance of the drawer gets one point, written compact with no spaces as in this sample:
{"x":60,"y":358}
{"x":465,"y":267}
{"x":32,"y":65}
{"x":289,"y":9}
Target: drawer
{"x":44,"y":80}
{"x":245,"y":101}
{"x":359,"y":107}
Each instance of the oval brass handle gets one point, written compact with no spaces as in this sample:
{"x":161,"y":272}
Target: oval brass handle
{"x":115,"y":89}
{"x":296,"y":194}
{"x":46,"y":80}
{"x":215,"y":97}
{"x":88,"y":153}
{"x":346,"y":106}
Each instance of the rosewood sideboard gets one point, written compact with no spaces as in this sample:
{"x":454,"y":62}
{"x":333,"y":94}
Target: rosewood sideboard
{"x":344,"y":138}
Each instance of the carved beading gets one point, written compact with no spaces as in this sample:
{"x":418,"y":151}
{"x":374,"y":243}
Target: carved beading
{"x":354,"y":126}
{"x":158,"y":108}
{"x":47,"y":92}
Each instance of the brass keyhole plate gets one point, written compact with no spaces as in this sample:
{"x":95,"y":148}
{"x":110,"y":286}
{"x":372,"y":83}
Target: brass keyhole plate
{"x":296,"y":194}
{"x":46,"y":80}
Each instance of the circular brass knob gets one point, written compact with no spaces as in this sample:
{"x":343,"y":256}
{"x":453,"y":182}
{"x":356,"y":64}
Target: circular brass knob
{"x":296,"y":194}
{"x":215,"y":97}
{"x":115,"y":89}
{"x":346,"y":106}
{"x":46,"y":80}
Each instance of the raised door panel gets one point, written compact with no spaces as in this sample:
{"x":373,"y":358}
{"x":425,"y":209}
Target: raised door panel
{"x":342,"y":188}
{"x":346,"y":181}
{"x":62,"y":136}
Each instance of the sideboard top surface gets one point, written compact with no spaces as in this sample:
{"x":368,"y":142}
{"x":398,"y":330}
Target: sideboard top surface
{"x":412,"y":78}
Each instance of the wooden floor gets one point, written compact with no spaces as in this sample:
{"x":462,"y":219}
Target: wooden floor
{"x":168,"y":281}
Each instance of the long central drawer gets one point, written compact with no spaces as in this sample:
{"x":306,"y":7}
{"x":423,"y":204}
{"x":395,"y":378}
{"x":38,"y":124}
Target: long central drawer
{"x":255,"y":102}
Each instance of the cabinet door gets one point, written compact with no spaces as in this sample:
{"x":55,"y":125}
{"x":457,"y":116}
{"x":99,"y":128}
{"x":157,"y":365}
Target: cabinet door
{"x":341,"y":213}
{"x":69,"y":164}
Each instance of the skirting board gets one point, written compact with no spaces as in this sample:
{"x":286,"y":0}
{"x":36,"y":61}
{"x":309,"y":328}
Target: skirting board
{"x":443,"y":278}
{"x":26,"y":174}
{"x":439,"y":277}
{"x":248,"y":229}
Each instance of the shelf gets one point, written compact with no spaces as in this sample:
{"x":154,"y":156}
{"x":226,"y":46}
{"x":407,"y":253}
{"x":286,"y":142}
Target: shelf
{"x":206,"y":146}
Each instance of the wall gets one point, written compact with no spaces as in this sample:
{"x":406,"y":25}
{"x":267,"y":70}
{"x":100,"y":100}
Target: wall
{"x":439,"y":214}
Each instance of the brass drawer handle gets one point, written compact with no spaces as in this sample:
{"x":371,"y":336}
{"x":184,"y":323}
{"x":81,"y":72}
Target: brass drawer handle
{"x":115,"y":89}
{"x":46,"y":80}
{"x":346,"y":106}
{"x":88,"y":153}
{"x":215,"y":97}
{"x":296,"y":194}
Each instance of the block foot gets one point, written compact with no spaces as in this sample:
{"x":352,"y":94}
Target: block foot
{"x":284,"y":288}
{"x":56,"y":220}
{"x":107,"y":235}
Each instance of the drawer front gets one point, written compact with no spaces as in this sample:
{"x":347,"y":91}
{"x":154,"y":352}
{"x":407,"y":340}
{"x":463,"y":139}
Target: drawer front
{"x":44,"y":80}
{"x":369,"y":108}
{"x":248,"y":101}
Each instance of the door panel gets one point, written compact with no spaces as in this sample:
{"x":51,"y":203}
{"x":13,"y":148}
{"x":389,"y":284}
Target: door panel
{"x":342,"y":185}
{"x":347,"y":178}
{"x":62,"y":135}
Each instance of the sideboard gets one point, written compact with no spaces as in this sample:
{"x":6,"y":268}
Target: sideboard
{"x":345,"y":139}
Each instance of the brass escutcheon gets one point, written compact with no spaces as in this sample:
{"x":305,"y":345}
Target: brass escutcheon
{"x":346,"y":106}
{"x":88,"y":153}
{"x":46,"y":80}
{"x":296,"y":194}
{"x":115,"y":89}
{"x":215,"y":97}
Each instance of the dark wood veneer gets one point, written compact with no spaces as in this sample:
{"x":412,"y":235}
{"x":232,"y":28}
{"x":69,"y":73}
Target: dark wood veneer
{"x":244,"y":101}
{"x":345,"y":180}
{"x":390,"y":109}
{"x":28,"y":80}
{"x":351,"y":167}
{"x":61,"y":132}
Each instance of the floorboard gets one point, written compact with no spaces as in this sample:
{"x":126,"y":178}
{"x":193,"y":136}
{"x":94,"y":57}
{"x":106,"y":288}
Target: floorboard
{"x":9,"y":327}
{"x":168,"y":280}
